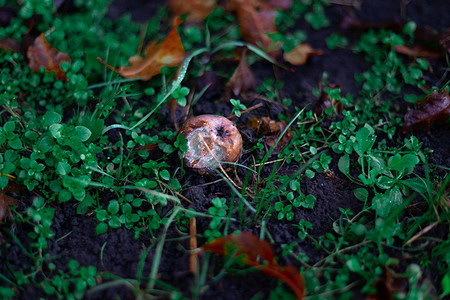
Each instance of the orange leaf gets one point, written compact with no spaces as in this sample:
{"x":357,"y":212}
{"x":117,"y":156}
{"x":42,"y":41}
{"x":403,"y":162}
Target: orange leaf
{"x":42,"y":54}
{"x":433,"y":108}
{"x":256,"y":20}
{"x":242,"y":78}
{"x":300,"y":54}
{"x":253,"y":252}
{"x":167,"y":53}
{"x":196,"y":10}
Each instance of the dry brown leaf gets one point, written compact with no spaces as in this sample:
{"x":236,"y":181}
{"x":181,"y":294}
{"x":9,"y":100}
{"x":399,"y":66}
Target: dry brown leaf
{"x":242,"y":79}
{"x":5,"y":202}
{"x":196,"y":10}
{"x":271,"y":131}
{"x":167,"y":53}
{"x":252,"y":251}
{"x":256,"y":19}
{"x":42,"y":54}
{"x":325,"y":101}
{"x":299,"y":55}
{"x":418,"y":50}
{"x":9,"y":44}
{"x":433,"y":108}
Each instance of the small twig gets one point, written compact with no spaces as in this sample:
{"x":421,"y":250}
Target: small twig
{"x":381,"y":124}
{"x":259,"y":96}
{"x":12,"y":113}
{"x":422,"y":232}
{"x":246,"y":111}
{"x":193,"y":257}
{"x":306,"y":122}
{"x":203,"y":184}
{"x":316,"y":118}
{"x":176,"y":193}
{"x":281,"y":159}
{"x":237,"y":177}
{"x":425,"y":230}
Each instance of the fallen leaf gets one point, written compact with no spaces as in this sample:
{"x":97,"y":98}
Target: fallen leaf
{"x":252,"y":251}
{"x":433,"y":108}
{"x":7,"y":44}
{"x":417,"y":50}
{"x":5,"y":202}
{"x":149,"y":147}
{"x":384,"y":287}
{"x":256,"y":20}
{"x":196,"y":10}
{"x":242,"y":78}
{"x":271,"y":131}
{"x":325,"y":101}
{"x":299,"y":55}
{"x":42,"y":54}
{"x":167,"y":53}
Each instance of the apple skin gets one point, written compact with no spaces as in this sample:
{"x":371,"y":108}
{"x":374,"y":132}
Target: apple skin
{"x":221,"y":137}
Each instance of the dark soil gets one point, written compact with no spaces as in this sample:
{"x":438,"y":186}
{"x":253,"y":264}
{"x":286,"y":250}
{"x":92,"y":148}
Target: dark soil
{"x":121,"y":253}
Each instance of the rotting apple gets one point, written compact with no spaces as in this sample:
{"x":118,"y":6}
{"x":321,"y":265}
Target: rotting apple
{"x":212,"y":140}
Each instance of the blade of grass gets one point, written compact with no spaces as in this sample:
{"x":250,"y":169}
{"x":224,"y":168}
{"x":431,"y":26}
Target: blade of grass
{"x":277,"y":141}
{"x":263,"y":202}
{"x":174,"y":86}
{"x":154,"y":193}
{"x":252,"y":48}
{"x":158,"y":250}
{"x":252,"y":209}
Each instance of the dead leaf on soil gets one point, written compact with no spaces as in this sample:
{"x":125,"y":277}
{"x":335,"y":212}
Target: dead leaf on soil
{"x":299,"y":55}
{"x":433,"y":108}
{"x":417,"y":50}
{"x":325,"y":101}
{"x":384,"y":287}
{"x":271,"y":131}
{"x":5,"y":202}
{"x":7,"y":44}
{"x":256,"y":20}
{"x":242,"y":79}
{"x":166,"y":53}
{"x":196,"y":10}
{"x":42,"y":54}
{"x":252,"y":251}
